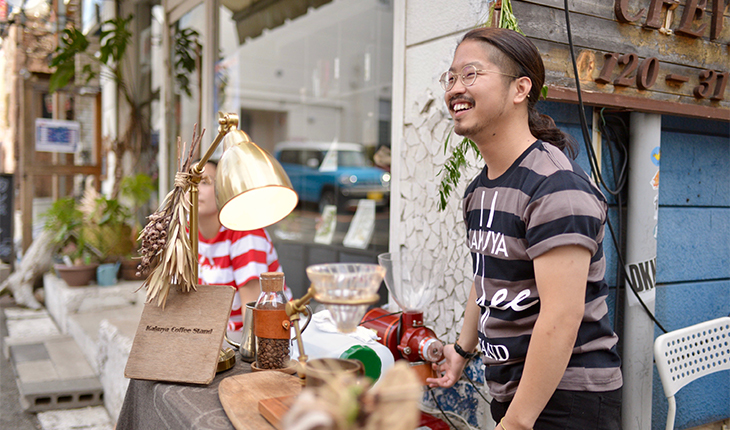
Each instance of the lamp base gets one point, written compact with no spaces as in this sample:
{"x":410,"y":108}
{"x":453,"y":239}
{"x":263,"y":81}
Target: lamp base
{"x":226,"y":360}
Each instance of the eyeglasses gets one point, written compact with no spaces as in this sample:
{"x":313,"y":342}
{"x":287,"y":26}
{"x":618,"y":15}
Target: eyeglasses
{"x":207,"y":180}
{"x":468,"y":76}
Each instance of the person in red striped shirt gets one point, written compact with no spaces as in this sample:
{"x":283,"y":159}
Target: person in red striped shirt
{"x":230,"y":257}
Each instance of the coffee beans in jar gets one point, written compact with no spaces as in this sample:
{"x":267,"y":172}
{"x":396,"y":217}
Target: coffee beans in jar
{"x":272,"y":353}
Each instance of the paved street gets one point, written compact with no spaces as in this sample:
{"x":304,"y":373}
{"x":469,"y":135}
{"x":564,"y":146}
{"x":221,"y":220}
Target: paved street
{"x":11,"y":415}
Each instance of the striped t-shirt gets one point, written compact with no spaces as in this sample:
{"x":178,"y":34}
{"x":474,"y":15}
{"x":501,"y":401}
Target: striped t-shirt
{"x":234,"y":258}
{"x":543,"y":201}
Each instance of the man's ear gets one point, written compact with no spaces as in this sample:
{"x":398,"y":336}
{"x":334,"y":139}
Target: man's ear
{"x":523,"y":85}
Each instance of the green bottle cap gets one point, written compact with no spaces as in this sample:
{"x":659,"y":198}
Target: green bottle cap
{"x":369,"y":359}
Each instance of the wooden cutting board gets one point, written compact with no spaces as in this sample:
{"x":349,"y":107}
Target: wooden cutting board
{"x":275,"y":408}
{"x":240,"y":396}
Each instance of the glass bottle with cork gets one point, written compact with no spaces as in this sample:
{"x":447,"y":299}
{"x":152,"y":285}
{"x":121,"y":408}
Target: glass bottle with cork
{"x":271,"y":324}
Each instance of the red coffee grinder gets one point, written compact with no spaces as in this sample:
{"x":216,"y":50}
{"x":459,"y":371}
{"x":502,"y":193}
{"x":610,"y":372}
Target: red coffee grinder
{"x":411,"y":282}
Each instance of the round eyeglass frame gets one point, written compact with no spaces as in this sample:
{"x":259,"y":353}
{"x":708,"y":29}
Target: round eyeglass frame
{"x":207,"y":180}
{"x":467,"y":76}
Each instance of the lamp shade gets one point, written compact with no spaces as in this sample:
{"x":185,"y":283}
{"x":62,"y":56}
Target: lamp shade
{"x":252,"y":190}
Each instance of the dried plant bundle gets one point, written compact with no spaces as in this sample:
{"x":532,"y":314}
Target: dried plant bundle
{"x":166,"y":253}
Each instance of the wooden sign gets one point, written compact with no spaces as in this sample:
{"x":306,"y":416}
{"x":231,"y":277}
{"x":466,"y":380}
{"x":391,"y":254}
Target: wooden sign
{"x":662,"y":56}
{"x":182,"y":342}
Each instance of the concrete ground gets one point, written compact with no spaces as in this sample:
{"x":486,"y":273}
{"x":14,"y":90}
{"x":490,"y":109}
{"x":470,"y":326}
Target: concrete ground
{"x":12,"y":415}
{"x":45,"y":374}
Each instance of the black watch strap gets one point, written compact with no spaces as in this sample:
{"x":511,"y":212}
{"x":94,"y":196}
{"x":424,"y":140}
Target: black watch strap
{"x":467,"y":355}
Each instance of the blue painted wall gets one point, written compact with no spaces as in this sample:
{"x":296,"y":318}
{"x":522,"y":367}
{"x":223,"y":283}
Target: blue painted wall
{"x":693,"y":245}
{"x":693,"y":253}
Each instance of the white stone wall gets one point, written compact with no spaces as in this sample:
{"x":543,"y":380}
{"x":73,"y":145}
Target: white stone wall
{"x":432,"y":30}
{"x":429,"y":35}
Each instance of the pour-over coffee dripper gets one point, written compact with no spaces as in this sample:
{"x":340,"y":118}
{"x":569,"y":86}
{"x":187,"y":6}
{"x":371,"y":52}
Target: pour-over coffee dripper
{"x":346,"y":290}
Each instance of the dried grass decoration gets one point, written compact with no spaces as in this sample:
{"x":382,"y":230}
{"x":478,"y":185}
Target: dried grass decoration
{"x":166,"y":253}
{"x":344,"y":402}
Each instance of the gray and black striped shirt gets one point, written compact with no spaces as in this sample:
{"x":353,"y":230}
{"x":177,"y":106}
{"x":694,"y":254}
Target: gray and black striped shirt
{"x":543,"y":201}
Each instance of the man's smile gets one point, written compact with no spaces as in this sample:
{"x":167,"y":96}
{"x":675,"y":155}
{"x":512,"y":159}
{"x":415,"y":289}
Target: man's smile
{"x":461,"y":105}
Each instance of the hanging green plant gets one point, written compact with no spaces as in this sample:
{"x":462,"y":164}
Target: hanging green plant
{"x":507,"y":18}
{"x":451,"y":172}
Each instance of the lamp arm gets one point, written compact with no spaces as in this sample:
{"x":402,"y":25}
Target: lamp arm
{"x":294,"y":308}
{"x":225,"y":123}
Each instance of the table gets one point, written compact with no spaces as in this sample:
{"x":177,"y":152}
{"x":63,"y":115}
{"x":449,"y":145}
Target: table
{"x":156,"y":405}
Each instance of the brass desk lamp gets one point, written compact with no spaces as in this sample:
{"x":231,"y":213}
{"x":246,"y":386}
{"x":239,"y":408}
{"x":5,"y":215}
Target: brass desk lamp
{"x":252,"y":191}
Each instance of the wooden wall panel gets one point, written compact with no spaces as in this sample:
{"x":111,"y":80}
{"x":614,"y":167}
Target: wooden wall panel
{"x":704,"y":64}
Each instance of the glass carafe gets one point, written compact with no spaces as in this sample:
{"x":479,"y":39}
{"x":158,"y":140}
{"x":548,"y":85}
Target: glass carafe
{"x":271,"y":324}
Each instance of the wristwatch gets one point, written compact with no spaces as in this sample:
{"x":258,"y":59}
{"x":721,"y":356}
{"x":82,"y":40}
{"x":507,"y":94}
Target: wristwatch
{"x":467,"y":355}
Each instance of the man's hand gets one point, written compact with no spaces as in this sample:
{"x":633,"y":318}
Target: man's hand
{"x":449,"y":369}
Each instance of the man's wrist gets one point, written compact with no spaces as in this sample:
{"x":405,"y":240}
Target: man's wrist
{"x":504,"y":427}
{"x":466,"y":355}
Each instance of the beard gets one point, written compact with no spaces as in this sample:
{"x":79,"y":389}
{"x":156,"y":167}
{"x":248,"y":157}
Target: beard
{"x":478,"y":124}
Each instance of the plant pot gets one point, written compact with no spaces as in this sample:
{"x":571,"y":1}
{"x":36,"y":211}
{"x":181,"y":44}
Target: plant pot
{"x":128,"y":271}
{"x":106,"y":274}
{"x":76,"y":276}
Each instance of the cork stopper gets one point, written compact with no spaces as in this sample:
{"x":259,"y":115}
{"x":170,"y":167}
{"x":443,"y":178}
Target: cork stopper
{"x":272,"y":281}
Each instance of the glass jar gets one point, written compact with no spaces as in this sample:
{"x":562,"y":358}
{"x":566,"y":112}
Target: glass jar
{"x":271,"y":324}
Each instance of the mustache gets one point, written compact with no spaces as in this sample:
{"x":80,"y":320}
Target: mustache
{"x":460,"y":98}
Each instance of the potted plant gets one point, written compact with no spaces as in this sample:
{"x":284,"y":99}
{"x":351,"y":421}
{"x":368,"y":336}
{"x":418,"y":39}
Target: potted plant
{"x":107,"y":232}
{"x":77,"y":262}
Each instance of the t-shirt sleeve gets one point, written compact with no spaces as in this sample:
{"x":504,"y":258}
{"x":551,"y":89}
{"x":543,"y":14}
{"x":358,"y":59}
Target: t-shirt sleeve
{"x":565,"y":210}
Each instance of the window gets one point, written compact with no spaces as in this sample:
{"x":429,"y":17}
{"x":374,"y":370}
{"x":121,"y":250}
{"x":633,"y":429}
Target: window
{"x":290,"y":157}
{"x":318,"y":79}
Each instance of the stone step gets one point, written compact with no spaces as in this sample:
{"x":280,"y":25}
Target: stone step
{"x":71,"y":356}
{"x":103,"y":321}
{"x":50,"y":369}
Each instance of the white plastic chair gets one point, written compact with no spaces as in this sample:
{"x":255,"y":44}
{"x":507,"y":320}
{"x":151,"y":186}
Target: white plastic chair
{"x":690,"y":353}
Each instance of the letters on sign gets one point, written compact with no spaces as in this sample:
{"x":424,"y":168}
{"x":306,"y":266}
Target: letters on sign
{"x":692,"y":24}
{"x":628,"y":70}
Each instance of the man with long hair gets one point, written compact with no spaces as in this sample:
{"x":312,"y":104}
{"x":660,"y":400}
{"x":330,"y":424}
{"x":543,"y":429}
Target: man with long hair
{"x":535,"y":226}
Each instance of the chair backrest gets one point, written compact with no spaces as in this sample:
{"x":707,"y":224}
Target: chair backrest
{"x":692,"y":352}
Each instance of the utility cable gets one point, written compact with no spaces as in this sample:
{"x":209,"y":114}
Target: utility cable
{"x":430,"y":391}
{"x":613,"y":139}
{"x":473,"y":384}
{"x":593,"y":160}
{"x":631,"y":285}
